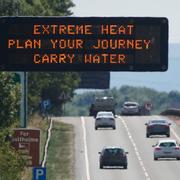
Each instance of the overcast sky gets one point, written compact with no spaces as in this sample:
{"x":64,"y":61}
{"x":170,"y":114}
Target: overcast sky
{"x":141,"y":8}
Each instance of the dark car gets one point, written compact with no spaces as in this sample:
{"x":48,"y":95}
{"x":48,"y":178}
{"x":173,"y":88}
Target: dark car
{"x":158,"y":127}
{"x":113,"y":156}
{"x":102,"y":104}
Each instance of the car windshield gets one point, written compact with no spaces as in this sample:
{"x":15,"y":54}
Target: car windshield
{"x":167,"y":144}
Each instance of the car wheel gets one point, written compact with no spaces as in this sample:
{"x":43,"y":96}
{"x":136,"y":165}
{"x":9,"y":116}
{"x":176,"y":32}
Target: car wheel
{"x":168,"y":135}
{"x":101,"y":166}
{"x":178,"y":158}
{"x":147,"y":135}
{"x":114,"y":127}
{"x":125,"y":167}
{"x":96,"y":128}
{"x":155,"y":158}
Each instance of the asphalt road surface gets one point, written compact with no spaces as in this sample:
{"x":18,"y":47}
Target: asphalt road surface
{"x":130,"y":134}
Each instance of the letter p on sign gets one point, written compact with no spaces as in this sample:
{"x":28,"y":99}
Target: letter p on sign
{"x":39,"y":173}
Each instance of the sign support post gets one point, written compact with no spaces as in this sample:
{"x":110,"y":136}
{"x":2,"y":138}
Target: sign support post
{"x":23,"y":105}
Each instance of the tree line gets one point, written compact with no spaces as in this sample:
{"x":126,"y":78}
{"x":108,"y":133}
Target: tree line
{"x":160,"y":100}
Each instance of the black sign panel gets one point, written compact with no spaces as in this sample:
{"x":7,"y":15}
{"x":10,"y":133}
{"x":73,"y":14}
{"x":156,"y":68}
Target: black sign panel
{"x":83,"y":44}
{"x":94,"y":80}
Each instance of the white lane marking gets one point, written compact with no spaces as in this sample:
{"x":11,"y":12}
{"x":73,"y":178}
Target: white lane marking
{"x":175,"y":134}
{"x":85,"y":149}
{"x":172,"y":129}
{"x":135,"y":149}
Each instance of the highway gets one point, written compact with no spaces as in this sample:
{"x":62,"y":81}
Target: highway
{"x":129,"y":134}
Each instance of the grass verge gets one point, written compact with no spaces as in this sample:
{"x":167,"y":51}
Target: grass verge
{"x":60,"y":162}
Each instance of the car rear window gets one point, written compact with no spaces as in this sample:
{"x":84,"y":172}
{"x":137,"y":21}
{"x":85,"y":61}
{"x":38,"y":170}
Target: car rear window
{"x":130,"y":105}
{"x":167,"y":144}
{"x":106,"y":115}
{"x":114,"y":151}
{"x":158,"y":122}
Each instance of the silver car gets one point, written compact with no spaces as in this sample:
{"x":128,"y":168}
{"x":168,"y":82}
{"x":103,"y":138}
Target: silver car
{"x":166,"y":148}
{"x":130,"y":108}
{"x":105,"y":120}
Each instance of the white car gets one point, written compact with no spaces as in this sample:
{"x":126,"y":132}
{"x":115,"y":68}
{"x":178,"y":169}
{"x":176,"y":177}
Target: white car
{"x":167,"y":148}
{"x":105,"y":119}
{"x":130,"y":108}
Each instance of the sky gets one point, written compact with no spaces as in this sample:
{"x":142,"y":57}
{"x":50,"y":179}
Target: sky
{"x":138,"y":8}
{"x":161,"y":81}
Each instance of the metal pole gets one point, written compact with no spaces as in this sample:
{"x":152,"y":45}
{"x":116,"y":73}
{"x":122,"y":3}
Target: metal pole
{"x":23,"y":105}
{"x":25,"y":99}
{"x":22,"y":100}
{"x":64,"y":109}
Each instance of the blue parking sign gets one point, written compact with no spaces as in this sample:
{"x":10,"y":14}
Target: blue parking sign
{"x":39,"y":173}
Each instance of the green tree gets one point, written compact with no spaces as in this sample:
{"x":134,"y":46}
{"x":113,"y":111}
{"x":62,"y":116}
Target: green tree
{"x":160,"y":100}
{"x":45,"y":7}
{"x":60,"y":7}
{"x":36,"y":7}
{"x":9,"y":99}
{"x":53,"y":86}
{"x":11,"y":163}
{"x":9,"y":7}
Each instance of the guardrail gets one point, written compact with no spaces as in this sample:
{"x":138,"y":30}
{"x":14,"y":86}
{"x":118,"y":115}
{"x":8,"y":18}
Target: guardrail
{"x":171,"y":111}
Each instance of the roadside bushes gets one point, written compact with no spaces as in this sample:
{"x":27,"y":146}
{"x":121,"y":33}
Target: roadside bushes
{"x":9,"y":99}
{"x":11,"y":163}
